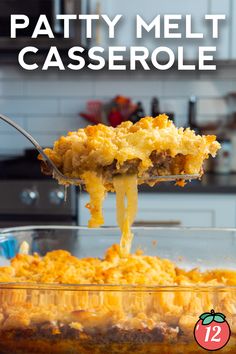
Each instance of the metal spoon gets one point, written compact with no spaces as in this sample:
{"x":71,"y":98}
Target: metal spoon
{"x":69,"y":180}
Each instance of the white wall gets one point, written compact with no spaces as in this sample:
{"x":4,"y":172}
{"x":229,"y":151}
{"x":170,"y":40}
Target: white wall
{"x":47,"y":103}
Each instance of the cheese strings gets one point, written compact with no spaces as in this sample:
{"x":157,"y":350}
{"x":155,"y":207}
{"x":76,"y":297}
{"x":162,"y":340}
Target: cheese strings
{"x":126,"y":209}
{"x":96,"y":189}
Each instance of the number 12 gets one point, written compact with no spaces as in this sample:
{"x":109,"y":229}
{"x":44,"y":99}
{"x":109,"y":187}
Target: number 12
{"x":213,"y":338}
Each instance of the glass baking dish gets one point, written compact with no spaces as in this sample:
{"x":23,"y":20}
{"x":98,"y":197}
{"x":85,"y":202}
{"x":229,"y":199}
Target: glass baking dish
{"x":62,"y":318}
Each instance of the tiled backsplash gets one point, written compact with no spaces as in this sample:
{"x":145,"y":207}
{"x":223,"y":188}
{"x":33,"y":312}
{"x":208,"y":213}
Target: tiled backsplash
{"x":47,"y":103}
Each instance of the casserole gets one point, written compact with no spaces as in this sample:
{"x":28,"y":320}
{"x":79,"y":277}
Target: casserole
{"x":115,"y":318}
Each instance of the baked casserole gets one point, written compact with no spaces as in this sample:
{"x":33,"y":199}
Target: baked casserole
{"x":142,"y":304}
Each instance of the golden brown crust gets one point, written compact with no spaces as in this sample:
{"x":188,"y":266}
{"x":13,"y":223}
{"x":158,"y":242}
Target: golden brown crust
{"x":107,"y":309}
{"x":95,"y":148}
{"x":106,"y":320}
{"x":60,"y":267}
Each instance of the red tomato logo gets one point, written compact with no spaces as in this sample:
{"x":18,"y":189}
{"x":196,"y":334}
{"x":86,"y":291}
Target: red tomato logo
{"x":212,"y":331}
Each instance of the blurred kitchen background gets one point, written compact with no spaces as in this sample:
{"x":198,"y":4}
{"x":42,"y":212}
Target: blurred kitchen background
{"x":49,"y":104}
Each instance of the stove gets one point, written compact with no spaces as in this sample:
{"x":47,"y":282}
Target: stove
{"x":29,"y":198}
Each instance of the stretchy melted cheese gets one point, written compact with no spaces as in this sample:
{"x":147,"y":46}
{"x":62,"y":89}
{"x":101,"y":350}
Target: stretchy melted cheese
{"x":126,"y":208}
{"x":114,"y":159}
{"x":95,"y":188}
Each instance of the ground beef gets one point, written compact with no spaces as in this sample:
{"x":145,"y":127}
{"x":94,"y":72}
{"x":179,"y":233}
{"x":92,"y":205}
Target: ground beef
{"x":162,"y":165}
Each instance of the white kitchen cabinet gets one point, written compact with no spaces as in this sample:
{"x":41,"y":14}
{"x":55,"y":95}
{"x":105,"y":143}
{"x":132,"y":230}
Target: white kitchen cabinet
{"x":233,"y":35}
{"x":186,"y":209}
{"x":225,"y":27}
{"x":126,"y":33}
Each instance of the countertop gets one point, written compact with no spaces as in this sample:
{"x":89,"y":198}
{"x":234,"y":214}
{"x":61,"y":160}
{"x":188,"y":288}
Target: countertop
{"x":210,"y":183}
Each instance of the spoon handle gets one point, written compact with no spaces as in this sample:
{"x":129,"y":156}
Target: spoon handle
{"x":34,"y":142}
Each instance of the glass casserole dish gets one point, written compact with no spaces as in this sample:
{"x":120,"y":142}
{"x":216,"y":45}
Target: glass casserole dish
{"x":115,"y":318}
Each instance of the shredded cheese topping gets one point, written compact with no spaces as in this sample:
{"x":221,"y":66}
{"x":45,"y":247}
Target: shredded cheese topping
{"x":61,"y":267}
{"x":98,"y":308}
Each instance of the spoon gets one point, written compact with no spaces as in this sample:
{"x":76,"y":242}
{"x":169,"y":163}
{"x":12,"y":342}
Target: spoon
{"x":57,"y":173}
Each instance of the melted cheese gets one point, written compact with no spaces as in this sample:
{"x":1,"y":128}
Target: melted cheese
{"x":95,"y":187}
{"x":126,"y":209}
{"x":97,"y":153}
{"x":126,"y":205}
